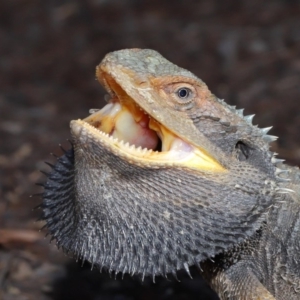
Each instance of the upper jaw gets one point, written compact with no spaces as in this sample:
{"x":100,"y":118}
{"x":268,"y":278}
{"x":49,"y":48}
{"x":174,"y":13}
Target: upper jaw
{"x":133,"y":125}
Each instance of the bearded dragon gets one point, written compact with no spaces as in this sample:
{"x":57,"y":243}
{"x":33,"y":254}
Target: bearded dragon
{"x":167,"y":176}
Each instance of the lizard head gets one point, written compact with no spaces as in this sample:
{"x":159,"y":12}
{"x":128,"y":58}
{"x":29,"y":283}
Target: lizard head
{"x":163,"y":177}
{"x":144,"y":120}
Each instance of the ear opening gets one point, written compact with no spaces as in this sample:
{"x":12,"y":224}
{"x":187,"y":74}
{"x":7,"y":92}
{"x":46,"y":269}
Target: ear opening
{"x":243,"y":151}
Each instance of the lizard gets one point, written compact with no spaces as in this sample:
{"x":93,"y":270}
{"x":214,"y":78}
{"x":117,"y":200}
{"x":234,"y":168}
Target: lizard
{"x":166,"y":176}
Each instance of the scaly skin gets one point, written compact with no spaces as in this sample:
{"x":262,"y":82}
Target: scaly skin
{"x":218,"y":199}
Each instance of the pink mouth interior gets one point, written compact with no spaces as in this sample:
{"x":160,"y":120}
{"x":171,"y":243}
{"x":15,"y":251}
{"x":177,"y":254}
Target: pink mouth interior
{"x":131,"y":125}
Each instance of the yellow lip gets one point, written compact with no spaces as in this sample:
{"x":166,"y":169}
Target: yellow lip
{"x":193,"y":159}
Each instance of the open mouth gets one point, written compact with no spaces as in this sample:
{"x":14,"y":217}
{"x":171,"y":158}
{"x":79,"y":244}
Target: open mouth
{"x":141,"y":138}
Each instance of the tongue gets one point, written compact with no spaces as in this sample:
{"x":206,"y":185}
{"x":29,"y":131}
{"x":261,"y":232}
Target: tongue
{"x":117,"y":121}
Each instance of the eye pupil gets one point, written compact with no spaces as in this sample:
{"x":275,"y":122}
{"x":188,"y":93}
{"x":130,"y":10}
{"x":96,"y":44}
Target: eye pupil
{"x":183,"y":93}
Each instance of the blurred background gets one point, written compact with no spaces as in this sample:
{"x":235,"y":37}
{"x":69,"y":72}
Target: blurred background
{"x":248,"y":52}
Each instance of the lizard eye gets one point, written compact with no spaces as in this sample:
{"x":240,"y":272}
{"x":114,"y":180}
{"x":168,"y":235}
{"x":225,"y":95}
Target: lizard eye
{"x":184,"y":93}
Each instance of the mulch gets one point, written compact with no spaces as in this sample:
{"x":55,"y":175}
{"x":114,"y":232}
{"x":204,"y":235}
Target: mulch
{"x":248,"y":52}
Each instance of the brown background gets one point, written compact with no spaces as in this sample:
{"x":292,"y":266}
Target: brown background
{"x":248,"y":52}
